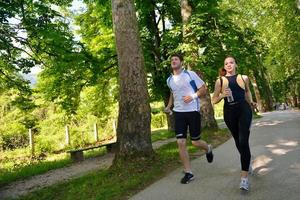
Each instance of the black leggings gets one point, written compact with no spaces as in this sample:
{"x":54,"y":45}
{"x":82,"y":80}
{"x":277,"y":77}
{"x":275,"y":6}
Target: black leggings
{"x":238,"y":119}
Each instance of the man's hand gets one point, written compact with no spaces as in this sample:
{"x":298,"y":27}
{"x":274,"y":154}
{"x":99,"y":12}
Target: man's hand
{"x":187,"y":99}
{"x":168,"y":110}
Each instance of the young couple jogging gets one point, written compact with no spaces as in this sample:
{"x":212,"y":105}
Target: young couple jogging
{"x":186,"y":87}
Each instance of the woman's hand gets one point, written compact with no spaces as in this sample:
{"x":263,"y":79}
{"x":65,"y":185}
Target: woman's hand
{"x":227,"y":92}
{"x":253,"y":104}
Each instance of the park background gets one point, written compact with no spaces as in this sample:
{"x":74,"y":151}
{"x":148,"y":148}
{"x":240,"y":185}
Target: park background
{"x":59,"y":68}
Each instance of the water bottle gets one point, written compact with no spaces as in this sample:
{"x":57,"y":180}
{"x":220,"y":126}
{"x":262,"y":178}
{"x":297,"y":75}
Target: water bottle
{"x":230,"y":97}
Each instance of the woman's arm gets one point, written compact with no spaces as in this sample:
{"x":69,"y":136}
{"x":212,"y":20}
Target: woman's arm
{"x":217,"y":96}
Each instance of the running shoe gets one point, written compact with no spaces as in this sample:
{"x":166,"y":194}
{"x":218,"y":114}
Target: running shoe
{"x":209,"y":154}
{"x":188,"y":177}
{"x":244,"y":185}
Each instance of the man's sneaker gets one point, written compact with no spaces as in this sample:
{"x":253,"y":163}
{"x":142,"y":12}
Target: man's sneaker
{"x":188,"y":177}
{"x":244,"y":185}
{"x":209,"y":154}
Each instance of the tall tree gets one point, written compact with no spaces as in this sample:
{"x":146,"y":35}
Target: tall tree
{"x":133,"y":131}
{"x":159,"y":40}
{"x":189,"y":38}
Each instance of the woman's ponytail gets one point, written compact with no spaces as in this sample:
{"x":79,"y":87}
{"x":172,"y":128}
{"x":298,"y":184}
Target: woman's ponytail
{"x":222,"y":71}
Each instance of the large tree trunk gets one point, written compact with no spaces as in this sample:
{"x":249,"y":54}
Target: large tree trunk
{"x":133,"y":130}
{"x":263,"y":88}
{"x":257,"y":95}
{"x":170,"y":118}
{"x":206,"y":109}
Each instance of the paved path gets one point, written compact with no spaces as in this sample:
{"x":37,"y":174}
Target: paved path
{"x":51,"y":177}
{"x":275,"y":144}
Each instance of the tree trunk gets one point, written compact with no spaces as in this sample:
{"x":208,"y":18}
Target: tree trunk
{"x":206,"y":109}
{"x":207,"y":112}
{"x":257,"y":95}
{"x":263,"y":88}
{"x":170,"y":118}
{"x":133,"y":129}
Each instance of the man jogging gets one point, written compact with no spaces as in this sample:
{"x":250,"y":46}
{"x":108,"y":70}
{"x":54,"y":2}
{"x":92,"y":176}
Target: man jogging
{"x":186,"y":87}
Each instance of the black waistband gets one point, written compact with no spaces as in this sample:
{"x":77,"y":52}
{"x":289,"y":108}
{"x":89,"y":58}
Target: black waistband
{"x":235,"y":103}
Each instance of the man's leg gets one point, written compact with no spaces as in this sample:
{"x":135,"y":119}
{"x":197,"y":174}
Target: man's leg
{"x":201,"y":144}
{"x":195,"y":132}
{"x":184,"y":155}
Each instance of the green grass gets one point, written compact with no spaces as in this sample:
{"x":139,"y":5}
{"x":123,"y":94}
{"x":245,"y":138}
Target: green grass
{"x":16,"y":165}
{"x":31,"y":170}
{"x":125,"y":179}
{"x":161,"y":134}
{"x":31,"y":167}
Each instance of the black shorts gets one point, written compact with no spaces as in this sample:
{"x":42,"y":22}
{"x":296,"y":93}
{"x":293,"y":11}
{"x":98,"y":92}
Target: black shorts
{"x":183,"y":120}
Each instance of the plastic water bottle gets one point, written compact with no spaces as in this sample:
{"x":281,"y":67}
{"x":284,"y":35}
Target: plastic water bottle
{"x":230,"y":97}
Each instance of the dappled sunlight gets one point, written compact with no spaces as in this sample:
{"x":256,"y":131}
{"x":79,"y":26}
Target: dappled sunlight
{"x":271,"y":146}
{"x":264,"y":171}
{"x":268,"y":123}
{"x":290,"y":143}
{"x":261,"y":161}
{"x":280,"y":151}
{"x":262,"y":164}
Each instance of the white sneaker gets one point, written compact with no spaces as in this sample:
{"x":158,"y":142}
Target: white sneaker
{"x":244,"y":185}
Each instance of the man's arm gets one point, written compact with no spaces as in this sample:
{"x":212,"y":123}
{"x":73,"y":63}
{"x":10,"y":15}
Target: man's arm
{"x":170,"y":102}
{"x":200,"y":92}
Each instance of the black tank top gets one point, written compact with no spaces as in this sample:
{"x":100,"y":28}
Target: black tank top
{"x":238,"y":93}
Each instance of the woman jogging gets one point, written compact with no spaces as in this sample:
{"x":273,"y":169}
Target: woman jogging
{"x":234,"y":89}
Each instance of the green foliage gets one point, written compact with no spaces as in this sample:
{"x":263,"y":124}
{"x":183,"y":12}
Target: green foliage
{"x":276,"y":24}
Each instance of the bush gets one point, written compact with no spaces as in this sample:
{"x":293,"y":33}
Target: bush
{"x":158,"y":120}
{"x":13,"y":135}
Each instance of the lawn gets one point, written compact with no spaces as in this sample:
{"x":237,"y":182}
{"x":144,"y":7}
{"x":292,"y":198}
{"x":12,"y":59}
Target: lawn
{"x":126,"y":179}
{"x":16,"y":165}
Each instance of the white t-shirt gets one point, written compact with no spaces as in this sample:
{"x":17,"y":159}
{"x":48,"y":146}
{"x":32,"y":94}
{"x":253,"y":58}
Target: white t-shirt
{"x":180,"y":86}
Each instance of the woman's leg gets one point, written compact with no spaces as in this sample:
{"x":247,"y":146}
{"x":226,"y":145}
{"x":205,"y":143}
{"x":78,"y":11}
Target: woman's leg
{"x":244,"y":133}
{"x":231,"y":121}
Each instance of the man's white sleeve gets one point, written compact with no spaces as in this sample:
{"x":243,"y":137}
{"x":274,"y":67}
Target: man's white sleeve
{"x":199,"y":82}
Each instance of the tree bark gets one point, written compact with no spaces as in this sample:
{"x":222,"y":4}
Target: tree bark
{"x":170,"y":118}
{"x":133,"y":129}
{"x":257,"y":95}
{"x":206,"y":109}
{"x":263,"y":88}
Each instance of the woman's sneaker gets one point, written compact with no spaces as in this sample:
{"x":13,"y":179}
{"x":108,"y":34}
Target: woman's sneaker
{"x":188,"y":177}
{"x":244,"y":185}
{"x":209,"y":154}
